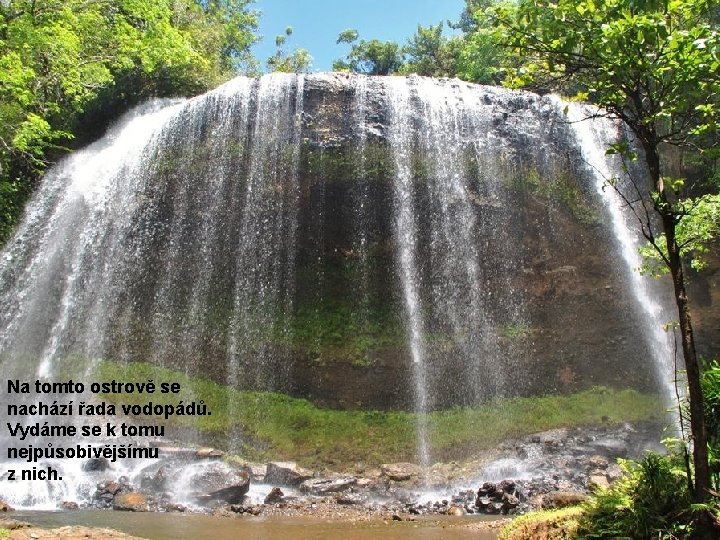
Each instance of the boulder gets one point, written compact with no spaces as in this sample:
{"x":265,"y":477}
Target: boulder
{"x":483,"y":503}
{"x":5,"y":507}
{"x":215,"y":481}
{"x":111,"y":487}
{"x":96,"y":464}
{"x":613,"y":472}
{"x":597,"y":462}
{"x":507,"y":486}
{"x":156,"y":482}
{"x":233,"y":494}
{"x":510,"y":502}
{"x":205,"y":453}
{"x":219,"y":483}
{"x":159,"y":480}
{"x":257,"y":471}
{"x":401,"y":472}
{"x":246,"y":509}
{"x":275,"y":496}
{"x":324,"y":486}
{"x":69,"y":505}
{"x":286,"y":474}
{"x":106,"y":492}
{"x":348,"y":498}
{"x":364,"y":482}
{"x":456,"y":511}
{"x":131,"y":502}
{"x":501,"y":498}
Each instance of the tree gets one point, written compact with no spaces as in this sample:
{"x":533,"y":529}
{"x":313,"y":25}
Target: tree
{"x":372,"y":57}
{"x":67,"y":67}
{"x":655,"y":65}
{"x":298,"y":61}
{"x":429,"y":53}
{"x":479,"y":55}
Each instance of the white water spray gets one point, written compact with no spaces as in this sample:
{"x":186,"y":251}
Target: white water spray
{"x":595,"y":135}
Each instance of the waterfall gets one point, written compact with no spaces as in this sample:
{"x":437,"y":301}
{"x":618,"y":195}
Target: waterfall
{"x":361,"y":242}
{"x":406,"y":216}
{"x":263,"y":288}
{"x":595,"y":135}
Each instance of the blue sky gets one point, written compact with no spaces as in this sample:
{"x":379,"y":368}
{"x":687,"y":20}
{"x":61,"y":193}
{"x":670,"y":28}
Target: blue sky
{"x":317,"y":23}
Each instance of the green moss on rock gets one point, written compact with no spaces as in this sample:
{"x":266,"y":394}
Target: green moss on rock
{"x":275,"y":426}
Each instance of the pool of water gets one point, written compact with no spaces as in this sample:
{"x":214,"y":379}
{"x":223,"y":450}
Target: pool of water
{"x":161,"y":526}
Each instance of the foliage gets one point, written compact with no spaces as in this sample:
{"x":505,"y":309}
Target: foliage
{"x":298,"y":61}
{"x":550,"y":524}
{"x":710,"y":381}
{"x":348,"y":36}
{"x":650,"y":500}
{"x":372,"y":57}
{"x":697,"y":229}
{"x":61,"y":59}
{"x":652,"y":63}
{"x":476,"y":55}
{"x":280,"y":427}
{"x":653,"y":499}
{"x":468,"y":21}
{"x":656,"y":66}
{"x":479,"y":55}
{"x":428,"y":53}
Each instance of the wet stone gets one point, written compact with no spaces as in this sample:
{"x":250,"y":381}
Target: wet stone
{"x":275,"y":496}
{"x":95,"y":465}
{"x":131,"y":502}
{"x":323,"y":486}
{"x":286,"y":474}
{"x":401,"y":472}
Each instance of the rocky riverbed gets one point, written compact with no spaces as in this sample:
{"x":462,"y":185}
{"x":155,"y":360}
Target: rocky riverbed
{"x":548,"y":469}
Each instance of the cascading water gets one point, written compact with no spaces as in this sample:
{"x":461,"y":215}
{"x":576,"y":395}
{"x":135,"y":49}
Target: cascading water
{"x":595,"y":135}
{"x":375,"y":243}
{"x":263,"y":288}
{"x":407,"y":239}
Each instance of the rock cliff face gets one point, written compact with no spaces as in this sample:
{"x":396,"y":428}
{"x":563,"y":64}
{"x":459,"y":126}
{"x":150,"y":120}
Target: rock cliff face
{"x":362,"y":242}
{"x":557,"y":312}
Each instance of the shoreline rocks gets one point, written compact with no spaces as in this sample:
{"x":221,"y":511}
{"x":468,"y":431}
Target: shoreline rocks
{"x":552,"y":469}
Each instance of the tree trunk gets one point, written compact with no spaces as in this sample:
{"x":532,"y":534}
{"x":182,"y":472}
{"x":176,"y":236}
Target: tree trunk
{"x":692,"y":368}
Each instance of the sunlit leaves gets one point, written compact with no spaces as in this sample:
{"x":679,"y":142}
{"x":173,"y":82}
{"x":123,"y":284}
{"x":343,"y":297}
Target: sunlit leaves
{"x":373,"y":57}
{"x":651,"y":65}
{"x":297,"y":61}
{"x":60,"y":57}
{"x":697,"y":229}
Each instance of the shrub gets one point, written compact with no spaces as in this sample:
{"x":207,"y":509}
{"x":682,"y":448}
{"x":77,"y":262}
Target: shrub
{"x":651,"y":500}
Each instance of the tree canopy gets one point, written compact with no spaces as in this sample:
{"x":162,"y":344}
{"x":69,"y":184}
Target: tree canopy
{"x":475,"y":54}
{"x":65,"y":62}
{"x":297,"y":61}
{"x":372,"y":57}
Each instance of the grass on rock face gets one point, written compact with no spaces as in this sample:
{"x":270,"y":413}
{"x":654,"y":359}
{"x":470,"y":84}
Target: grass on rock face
{"x":272,"y":425}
